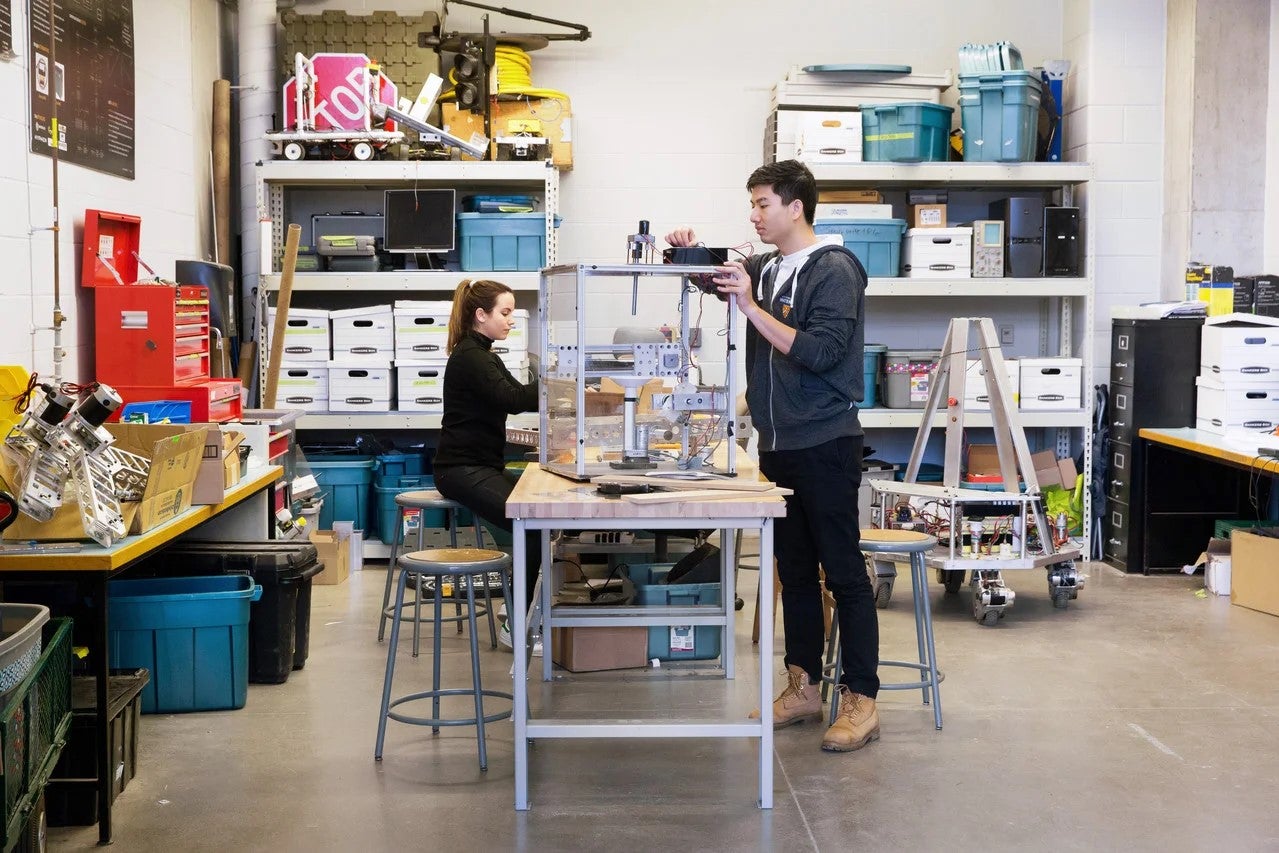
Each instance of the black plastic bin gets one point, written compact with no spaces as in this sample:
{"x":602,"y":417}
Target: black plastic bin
{"x":280,"y":622}
{"x":71,"y":796}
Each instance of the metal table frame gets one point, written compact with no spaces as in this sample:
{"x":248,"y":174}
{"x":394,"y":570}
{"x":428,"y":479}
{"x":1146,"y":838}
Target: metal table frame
{"x":548,"y":617}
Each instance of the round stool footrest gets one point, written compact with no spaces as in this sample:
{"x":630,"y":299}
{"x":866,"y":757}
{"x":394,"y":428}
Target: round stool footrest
{"x":457,"y":691}
{"x":428,"y":618}
{"x":904,"y":685}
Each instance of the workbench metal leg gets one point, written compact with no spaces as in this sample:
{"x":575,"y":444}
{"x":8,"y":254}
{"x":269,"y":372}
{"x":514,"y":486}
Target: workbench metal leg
{"x":518,"y":615}
{"x":766,"y":665}
{"x":102,"y":735}
{"x":728,"y":574}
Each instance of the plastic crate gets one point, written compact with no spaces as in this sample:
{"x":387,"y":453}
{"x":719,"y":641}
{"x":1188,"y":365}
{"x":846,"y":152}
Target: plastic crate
{"x":388,"y":510}
{"x":20,"y":626}
{"x":1223,"y":526}
{"x":696,"y":643}
{"x":499,"y":203}
{"x":346,"y":486}
{"x":396,"y":464}
{"x":909,"y":132}
{"x":877,"y":243}
{"x":999,"y":112}
{"x":192,"y":634}
{"x":502,"y":241}
{"x":872,"y":355}
{"x":72,"y":804}
{"x":34,"y":723}
{"x":157,"y":412}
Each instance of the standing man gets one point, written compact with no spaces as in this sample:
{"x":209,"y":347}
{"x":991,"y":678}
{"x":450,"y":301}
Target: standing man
{"x":804,"y":303}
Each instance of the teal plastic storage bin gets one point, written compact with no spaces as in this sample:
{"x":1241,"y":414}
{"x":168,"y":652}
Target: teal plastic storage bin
{"x":502,"y":241}
{"x":192,"y":634}
{"x":396,"y":464}
{"x":999,"y":111}
{"x":346,"y":485}
{"x":670,"y":642}
{"x":909,"y":132}
{"x":877,"y":243}
{"x":872,"y":356}
{"x":388,"y":511}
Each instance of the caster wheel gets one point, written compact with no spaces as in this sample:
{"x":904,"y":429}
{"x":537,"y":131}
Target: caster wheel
{"x":362,"y":151}
{"x":883,"y":595}
{"x":33,"y":837}
{"x":990,"y":618}
{"x":294,"y":151}
{"x":952,"y":578}
{"x":1060,"y":600}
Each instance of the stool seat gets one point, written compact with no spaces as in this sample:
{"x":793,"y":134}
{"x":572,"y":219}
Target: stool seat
{"x":896,"y":541}
{"x":425,"y":499}
{"x":454,"y":561}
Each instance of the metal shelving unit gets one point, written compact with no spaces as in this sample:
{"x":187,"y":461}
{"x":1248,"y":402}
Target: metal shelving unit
{"x":1070,"y":299}
{"x":393,"y":281}
{"x":395,"y":420}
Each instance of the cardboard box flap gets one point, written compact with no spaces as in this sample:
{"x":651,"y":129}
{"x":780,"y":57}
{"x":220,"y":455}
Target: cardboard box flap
{"x":1242,"y":321}
{"x":174,"y":460}
{"x":1216,"y":548}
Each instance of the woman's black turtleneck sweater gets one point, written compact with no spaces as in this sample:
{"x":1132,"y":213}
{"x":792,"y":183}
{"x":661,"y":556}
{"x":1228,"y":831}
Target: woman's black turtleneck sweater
{"x":479,"y":392}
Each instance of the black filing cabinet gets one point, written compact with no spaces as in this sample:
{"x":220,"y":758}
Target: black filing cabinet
{"x":1153,"y":364}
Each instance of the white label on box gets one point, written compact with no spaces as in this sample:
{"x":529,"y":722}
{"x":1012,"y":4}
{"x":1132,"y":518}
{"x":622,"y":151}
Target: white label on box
{"x":681,"y":638}
{"x":930,"y":216}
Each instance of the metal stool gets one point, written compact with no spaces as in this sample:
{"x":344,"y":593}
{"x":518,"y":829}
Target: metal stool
{"x":422,"y":500}
{"x":917,"y":545}
{"x":463,"y":565}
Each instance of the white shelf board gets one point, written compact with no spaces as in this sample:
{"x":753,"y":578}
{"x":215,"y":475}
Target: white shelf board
{"x":896,"y":418}
{"x":974,"y":175}
{"x":321,"y":172}
{"x":394,"y":420}
{"x":400,"y":280}
{"x":1029,"y":288}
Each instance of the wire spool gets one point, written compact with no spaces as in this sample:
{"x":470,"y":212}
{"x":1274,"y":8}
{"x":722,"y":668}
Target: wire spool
{"x":513,"y":72}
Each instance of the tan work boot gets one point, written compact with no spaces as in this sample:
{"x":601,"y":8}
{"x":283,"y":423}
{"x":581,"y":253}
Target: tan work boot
{"x":800,"y":700}
{"x":856,"y":725}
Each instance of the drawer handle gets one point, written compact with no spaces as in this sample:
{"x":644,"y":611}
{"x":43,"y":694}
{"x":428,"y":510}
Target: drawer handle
{"x":1121,"y":364}
{"x":1118,"y":423}
{"x":1114,"y":541}
{"x":1116,"y":482}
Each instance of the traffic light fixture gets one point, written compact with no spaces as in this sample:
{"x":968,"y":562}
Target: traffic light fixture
{"x":471,"y":67}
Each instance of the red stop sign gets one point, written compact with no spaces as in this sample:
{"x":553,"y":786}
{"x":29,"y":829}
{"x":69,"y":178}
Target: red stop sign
{"x":343,"y":88}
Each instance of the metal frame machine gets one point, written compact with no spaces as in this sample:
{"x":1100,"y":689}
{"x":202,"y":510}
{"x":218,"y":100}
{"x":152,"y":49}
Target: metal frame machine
{"x":981,"y":534}
{"x":585,"y":431}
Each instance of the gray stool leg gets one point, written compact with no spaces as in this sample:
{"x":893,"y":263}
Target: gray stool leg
{"x":488,"y":608}
{"x":932,"y":649}
{"x":435,"y":664}
{"x":457,"y":598}
{"x":832,"y":643}
{"x":919,"y":592}
{"x":390,"y":573}
{"x":390,"y":666}
{"x":839,"y":673}
{"x":417,"y":611}
{"x":475,"y":672}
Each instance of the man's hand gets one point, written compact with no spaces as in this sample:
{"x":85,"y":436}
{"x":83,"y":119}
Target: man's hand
{"x":534,"y":365}
{"x":681,"y":237}
{"x":732,"y":280}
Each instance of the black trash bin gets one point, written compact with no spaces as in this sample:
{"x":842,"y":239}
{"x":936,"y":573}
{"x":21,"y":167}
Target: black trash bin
{"x":280,"y":622}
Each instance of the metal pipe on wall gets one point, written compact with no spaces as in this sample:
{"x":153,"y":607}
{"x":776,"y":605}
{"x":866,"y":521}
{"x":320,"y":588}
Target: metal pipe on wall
{"x":222,"y":171}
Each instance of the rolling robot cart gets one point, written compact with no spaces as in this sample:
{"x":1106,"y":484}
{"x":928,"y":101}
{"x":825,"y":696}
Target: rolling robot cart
{"x":981,"y":533}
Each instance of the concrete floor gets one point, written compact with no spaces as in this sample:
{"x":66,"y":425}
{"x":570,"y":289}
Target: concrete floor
{"x":1144,"y":717}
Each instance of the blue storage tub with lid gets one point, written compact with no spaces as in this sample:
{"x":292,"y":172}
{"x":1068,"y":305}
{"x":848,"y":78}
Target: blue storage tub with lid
{"x":346,"y":484}
{"x":192,"y":634}
{"x":872,"y":356}
{"x":676,"y":642}
{"x":999,"y":112}
{"x":907,"y":132}
{"x":502,"y":242}
{"x":877,"y":243}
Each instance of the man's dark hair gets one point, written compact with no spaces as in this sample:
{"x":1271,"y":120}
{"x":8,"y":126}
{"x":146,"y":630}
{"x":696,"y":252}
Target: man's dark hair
{"x":791,"y":180}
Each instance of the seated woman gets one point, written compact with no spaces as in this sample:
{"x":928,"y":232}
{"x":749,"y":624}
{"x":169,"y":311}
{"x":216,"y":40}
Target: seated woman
{"x":479,"y":392}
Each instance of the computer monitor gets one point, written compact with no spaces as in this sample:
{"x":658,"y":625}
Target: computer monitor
{"x":419,"y":220}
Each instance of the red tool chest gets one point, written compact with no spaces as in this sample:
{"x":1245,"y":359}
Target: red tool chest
{"x":152,"y":334}
{"x":212,"y":400}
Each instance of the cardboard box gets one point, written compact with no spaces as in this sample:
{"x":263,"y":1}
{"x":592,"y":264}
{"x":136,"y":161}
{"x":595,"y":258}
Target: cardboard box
{"x":1216,"y":562}
{"x":219,"y":465}
{"x":595,"y":649}
{"x":983,"y":461}
{"x":927,"y":216}
{"x":1254,"y":569}
{"x":850,"y":196}
{"x":174,"y":452}
{"x":334,"y":552}
{"x":553,"y":114}
{"x":1051,"y":471}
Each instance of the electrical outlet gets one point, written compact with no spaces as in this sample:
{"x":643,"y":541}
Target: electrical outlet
{"x":1005,"y":335}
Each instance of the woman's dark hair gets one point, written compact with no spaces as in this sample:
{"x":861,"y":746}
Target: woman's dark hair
{"x":467,"y":299}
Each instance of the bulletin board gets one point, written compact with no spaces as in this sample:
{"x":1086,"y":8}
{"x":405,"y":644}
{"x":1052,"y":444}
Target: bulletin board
{"x":91,"y":76}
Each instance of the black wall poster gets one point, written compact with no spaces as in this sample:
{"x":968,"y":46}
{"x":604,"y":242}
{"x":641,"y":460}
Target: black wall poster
{"x":6,"y":27}
{"x":91,"y":76}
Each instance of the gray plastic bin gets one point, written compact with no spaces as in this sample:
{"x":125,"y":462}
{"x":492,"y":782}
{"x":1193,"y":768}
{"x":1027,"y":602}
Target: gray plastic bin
{"x":908,"y":375}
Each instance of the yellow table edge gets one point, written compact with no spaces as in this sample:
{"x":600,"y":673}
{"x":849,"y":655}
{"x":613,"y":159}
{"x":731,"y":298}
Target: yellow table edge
{"x":95,"y":558}
{"x":1172,"y":439}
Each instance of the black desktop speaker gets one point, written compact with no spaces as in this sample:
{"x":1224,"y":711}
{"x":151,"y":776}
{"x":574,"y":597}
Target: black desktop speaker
{"x":1061,"y":241}
{"x":1023,"y":235}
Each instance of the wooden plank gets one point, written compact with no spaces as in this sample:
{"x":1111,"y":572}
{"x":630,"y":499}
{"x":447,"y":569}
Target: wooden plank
{"x":708,"y":495}
{"x":736,"y":484}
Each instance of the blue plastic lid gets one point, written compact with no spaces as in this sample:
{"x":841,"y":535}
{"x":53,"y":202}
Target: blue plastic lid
{"x":858,"y":67}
